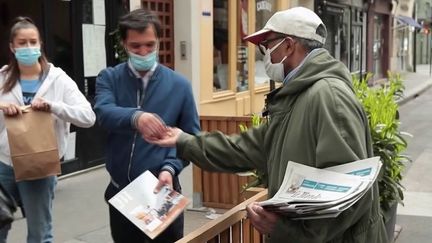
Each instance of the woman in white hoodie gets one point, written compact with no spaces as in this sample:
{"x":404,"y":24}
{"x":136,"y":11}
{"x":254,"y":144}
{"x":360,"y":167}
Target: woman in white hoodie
{"x":29,"y":79}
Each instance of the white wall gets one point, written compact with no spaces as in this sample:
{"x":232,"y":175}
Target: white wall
{"x":186,"y":29}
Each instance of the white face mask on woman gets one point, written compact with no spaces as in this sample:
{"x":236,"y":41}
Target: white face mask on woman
{"x":274,"y":70}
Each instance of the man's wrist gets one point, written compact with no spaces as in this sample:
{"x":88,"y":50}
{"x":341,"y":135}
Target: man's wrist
{"x":135,"y":118}
{"x":169,"y":169}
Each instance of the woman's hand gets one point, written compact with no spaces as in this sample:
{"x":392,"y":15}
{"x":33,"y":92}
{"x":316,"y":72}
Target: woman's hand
{"x":40,"y":104}
{"x":10,"y":109}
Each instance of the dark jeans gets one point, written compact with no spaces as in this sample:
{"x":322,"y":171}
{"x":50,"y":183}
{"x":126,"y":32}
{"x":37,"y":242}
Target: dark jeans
{"x":124,"y":231}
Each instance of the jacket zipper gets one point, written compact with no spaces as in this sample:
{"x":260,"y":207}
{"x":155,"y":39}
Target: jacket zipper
{"x":139,"y":104}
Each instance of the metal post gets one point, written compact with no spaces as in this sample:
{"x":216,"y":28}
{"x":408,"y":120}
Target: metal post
{"x":415,"y":41}
{"x":430,"y":49}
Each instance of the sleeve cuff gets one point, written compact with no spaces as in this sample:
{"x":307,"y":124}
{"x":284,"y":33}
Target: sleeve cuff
{"x":181,"y":143}
{"x":134,"y":118}
{"x":169,"y":169}
{"x":55,"y":107}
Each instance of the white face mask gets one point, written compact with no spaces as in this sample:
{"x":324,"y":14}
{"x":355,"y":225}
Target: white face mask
{"x":274,"y":70}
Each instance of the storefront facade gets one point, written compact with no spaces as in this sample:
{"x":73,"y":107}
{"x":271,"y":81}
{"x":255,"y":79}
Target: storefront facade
{"x":346,"y":26}
{"x":233,"y":79}
{"x":203,"y":40}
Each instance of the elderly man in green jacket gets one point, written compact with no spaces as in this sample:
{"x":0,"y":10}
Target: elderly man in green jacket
{"x":315,"y":119}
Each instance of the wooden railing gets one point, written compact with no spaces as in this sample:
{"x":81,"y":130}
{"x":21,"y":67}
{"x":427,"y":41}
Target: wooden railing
{"x":213,"y":186}
{"x":230,"y":227}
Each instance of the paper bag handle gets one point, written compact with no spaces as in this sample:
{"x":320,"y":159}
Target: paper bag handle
{"x":24,"y":109}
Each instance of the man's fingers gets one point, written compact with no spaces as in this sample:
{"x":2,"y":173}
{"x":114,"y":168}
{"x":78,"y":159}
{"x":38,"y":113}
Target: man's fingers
{"x":159,"y":119}
{"x":158,"y":187}
{"x":255,"y":220}
{"x":262,"y":220}
{"x":154,"y":130}
{"x":251,"y":211}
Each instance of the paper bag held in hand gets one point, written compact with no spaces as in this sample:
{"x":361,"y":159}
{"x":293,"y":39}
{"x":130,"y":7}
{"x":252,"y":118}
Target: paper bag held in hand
{"x":33,"y":145}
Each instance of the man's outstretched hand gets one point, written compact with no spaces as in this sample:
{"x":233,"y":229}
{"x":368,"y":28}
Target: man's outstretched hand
{"x":167,"y":139}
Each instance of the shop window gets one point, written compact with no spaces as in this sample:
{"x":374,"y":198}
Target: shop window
{"x":264,"y":10}
{"x":87,"y":12}
{"x":220,"y":42}
{"x":338,"y":32}
{"x":337,"y":21}
{"x":356,"y":50}
{"x":230,"y":53}
{"x":356,"y":41}
{"x":242,"y":55}
{"x":345,"y":37}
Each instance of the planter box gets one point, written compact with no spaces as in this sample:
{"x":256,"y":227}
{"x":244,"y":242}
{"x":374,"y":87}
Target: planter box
{"x":220,"y":190}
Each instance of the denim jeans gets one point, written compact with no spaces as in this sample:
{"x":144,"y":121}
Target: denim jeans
{"x":35,"y":197}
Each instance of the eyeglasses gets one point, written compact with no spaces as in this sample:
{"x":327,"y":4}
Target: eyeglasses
{"x":263,"y":46}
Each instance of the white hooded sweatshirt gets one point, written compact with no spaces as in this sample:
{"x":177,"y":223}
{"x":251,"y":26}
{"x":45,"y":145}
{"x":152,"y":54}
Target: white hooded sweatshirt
{"x":68,"y":105}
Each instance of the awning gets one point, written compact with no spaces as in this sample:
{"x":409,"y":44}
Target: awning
{"x":408,"y":21}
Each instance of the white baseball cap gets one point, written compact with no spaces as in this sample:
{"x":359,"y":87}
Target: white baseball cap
{"x":298,"y":21}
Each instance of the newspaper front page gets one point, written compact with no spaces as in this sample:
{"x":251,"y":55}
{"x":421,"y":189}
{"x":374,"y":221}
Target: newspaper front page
{"x":308,"y":193}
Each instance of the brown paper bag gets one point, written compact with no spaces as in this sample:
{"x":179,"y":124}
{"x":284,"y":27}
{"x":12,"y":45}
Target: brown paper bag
{"x":33,"y":145}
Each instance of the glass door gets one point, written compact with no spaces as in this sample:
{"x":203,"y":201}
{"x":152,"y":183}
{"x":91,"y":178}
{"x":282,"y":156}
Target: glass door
{"x":377,"y":46}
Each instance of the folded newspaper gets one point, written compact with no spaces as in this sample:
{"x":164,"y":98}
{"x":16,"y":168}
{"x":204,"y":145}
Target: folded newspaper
{"x":311,"y":193}
{"x":150,"y":212}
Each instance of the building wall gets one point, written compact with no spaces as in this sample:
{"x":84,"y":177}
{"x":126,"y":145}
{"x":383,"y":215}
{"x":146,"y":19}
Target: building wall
{"x":187,"y":51}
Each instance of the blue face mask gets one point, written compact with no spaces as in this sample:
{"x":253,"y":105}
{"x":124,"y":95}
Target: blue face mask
{"x":143,"y":63}
{"x":27,"y":56}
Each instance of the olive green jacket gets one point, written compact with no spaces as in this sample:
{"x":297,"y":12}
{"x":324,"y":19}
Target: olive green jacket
{"x":316,"y":120}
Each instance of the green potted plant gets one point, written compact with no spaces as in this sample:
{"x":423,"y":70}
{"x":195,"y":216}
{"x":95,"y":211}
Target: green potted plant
{"x":120,"y":52}
{"x":388,"y":140}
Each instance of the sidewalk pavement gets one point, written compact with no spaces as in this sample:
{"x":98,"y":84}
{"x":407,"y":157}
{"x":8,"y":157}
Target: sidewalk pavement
{"x":80,"y":214}
{"x":416,"y":83}
{"x":415,"y":217}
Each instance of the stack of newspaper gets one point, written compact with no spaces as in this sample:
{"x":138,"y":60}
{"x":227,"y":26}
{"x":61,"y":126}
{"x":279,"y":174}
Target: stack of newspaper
{"x":311,"y":193}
